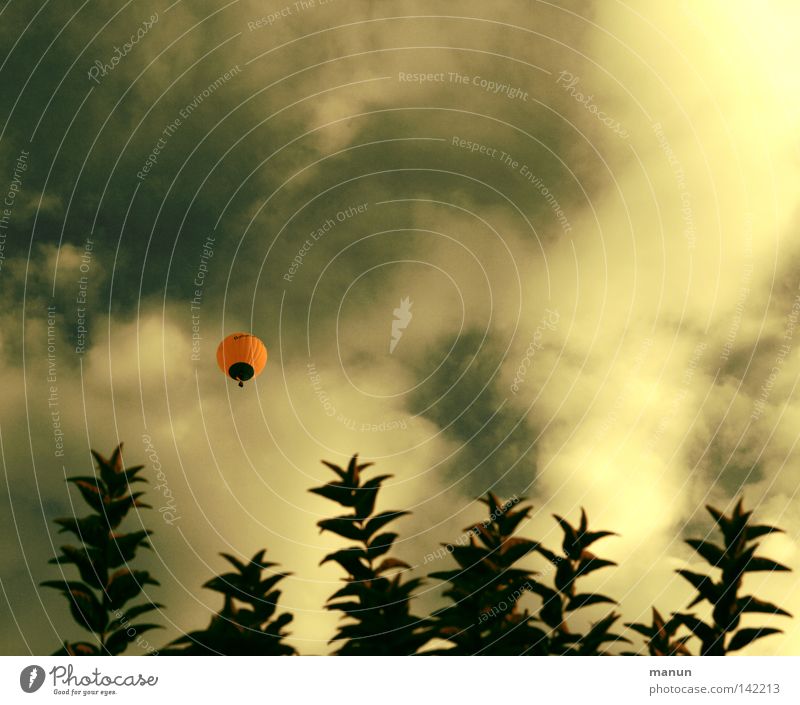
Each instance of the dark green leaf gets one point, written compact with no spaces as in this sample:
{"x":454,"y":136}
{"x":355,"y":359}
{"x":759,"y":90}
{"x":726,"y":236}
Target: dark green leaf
{"x":549,"y":555}
{"x":268,"y":583}
{"x":235,"y":562}
{"x":643,"y":629}
{"x":354,"y":588}
{"x":381,"y":544}
{"x":351,"y":561}
{"x":722,"y":521}
{"x":231,"y":584}
{"x":130,"y":475}
{"x":92,"y":530}
{"x":487,"y":533}
{"x":585,"y":600}
{"x":338,"y":470}
{"x":91,"y":492}
{"x":565,"y":576}
{"x":85,"y":607}
{"x":589,"y":564}
{"x":754,"y":532}
{"x":753,"y":604}
{"x":712,"y":553}
{"x":347,"y":607}
{"x":89,"y":564}
{"x":366,"y":496}
{"x":703,"y":584}
{"x":599,"y":635}
{"x":123,"y":547}
{"x":590,"y":537}
{"x":509,"y":522}
{"x":126,"y":584}
{"x":109,"y":467}
{"x":570,"y":544}
{"x":117,"y":509}
{"x":354,"y":470}
{"x":764,"y":564}
{"x":256,"y":565}
{"x":700,"y":629}
{"x":343,"y":526}
{"x":280,"y":622}
{"x":514,"y":549}
{"x":389,"y":563}
{"x":337,"y":492}
{"x":744,"y":637}
{"x":379,"y":521}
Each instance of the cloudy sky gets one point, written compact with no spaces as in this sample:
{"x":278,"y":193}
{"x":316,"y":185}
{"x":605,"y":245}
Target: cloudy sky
{"x":592,"y":207}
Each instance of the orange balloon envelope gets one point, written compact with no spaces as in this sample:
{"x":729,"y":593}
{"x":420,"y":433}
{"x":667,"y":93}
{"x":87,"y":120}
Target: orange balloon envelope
{"x":241,"y":356}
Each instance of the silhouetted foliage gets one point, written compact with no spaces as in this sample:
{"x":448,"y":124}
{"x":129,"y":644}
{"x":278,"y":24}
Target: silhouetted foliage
{"x":576,"y":562}
{"x":376,"y":606}
{"x":661,"y":636}
{"x":485,"y":617}
{"x":485,"y":614}
{"x":237,"y":630}
{"x":98,"y":601}
{"x":734,"y":558}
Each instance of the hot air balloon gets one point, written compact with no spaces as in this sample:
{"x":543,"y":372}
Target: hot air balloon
{"x":241,"y":356}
